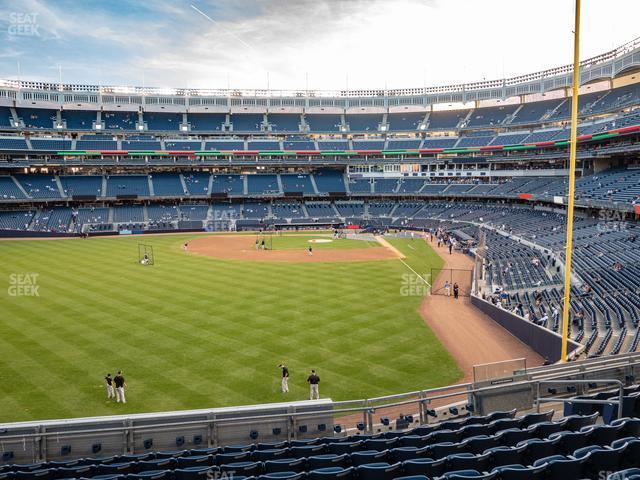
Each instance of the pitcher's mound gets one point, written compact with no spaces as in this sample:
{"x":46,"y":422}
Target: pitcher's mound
{"x":242,"y":247}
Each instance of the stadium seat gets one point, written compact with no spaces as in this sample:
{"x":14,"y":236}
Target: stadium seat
{"x":559,"y":466}
{"x":115,"y":468}
{"x":282,"y":476}
{"x":506,"y":455}
{"x":242,"y":468}
{"x":168,"y":463}
{"x":520,"y":472}
{"x":331,"y":473}
{"x":378,"y":471}
{"x":285,"y":465}
{"x":368,"y":456}
{"x":598,"y":459}
{"x":193,"y":473}
{"x":468,"y":461}
{"x":271,"y":454}
{"x":194,"y":461}
{"x":463,"y":474}
{"x":150,"y":475}
{"x":425,"y":466}
{"x":401,"y":454}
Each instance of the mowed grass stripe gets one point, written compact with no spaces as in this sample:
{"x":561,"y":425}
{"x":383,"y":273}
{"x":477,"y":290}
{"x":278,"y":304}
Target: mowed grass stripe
{"x":195,"y":332}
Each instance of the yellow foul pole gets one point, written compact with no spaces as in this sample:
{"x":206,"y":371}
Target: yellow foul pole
{"x":572,"y":181}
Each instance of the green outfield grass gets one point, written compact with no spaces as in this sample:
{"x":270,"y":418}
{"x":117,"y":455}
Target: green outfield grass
{"x":197,"y":332}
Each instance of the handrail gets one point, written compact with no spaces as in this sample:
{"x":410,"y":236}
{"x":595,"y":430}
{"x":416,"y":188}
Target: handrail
{"x":539,"y":400}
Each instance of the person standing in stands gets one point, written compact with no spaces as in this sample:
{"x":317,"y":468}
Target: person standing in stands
{"x":120,"y":385}
{"x":455,"y":290}
{"x":285,"y":378}
{"x":313,"y":381}
{"x":109,"y":381}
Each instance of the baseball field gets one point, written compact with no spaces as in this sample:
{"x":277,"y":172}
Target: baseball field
{"x":204,"y":328}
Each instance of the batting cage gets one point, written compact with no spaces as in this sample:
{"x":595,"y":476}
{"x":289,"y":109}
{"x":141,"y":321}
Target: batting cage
{"x":264,"y":241}
{"x":444,"y":279}
{"x":145,"y":254}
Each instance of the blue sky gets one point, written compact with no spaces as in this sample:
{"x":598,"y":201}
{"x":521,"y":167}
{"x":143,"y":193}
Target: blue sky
{"x":325,"y":44}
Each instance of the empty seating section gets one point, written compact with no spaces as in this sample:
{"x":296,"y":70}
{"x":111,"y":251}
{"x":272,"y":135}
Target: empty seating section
{"x":194,"y":212}
{"x":88,"y":216}
{"x":284,"y":122}
{"x":182,"y":145}
{"x":473,"y":142}
{"x":297,"y":183}
{"x":533,"y":112}
{"x":543,"y":136}
{"x":207,"y":122}
{"x":226,"y":211}
{"x":8,"y":143}
{"x":288,"y":210}
{"x":350,"y":209}
{"x":368,"y":144}
{"x":256,"y":210}
{"x":37,"y":118}
{"x":363,"y":122}
{"x":262,"y":184}
{"x":197,"y":182}
{"x":247,"y":122}
{"x":167,"y":185}
{"x":329,"y":181}
{"x":162,"y":213}
{"x":491,"y":116}
{"x":497,"y":446}
{"x":510,"y":139}
{"x":263,"y":145}
{"x":403,"y":122}
{"x":79,"y":119}
{"x":140,"y":145}
{"x":360,"y":185}
{"x":6,"y":119}
{"x":385,"y":185}
{"x":333,"y":145}
{"x":410,"y":185}
{"x":441,"y":142}
{"x":50,"y":144}
{"x":446,"y":119}
{"x":381,"y":209}
{"x":39,"y":186}
{"x":323,"y":122}
{"x":129,"y":185}
{"x":320,"y":210}
{"x":400,"y":144}
{"x":90,"y":142}
{"x":9,"y":190}
{"x":225,"y":145}
{"x":120,"y":120}
{"x":163,"y":121}
{"x":299,"y":145}
{"x":229,"y":184}
{"x":15,"y":219}
{"x":73,"y":185}
{"x":128,"y":214}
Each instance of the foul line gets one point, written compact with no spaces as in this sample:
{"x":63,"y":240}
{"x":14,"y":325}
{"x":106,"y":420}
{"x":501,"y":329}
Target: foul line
{"x":417,"y":274}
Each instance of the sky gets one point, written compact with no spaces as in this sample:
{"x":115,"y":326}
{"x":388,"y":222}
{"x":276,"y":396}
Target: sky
{"x":300,"y":44}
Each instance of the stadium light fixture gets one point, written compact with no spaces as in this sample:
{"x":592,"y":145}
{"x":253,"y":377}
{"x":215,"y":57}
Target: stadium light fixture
{"x":98,"y":126}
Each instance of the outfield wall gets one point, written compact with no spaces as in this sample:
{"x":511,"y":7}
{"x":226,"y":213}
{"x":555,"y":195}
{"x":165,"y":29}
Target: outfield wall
{"x":543,"y":341}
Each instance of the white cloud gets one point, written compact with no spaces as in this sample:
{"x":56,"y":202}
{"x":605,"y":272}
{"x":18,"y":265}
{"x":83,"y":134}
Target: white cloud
{"x":375,"y":43}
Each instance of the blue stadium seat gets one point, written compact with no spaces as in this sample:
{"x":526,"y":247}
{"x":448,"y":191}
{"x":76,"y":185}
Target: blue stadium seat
{"x":222,"y":458}
{"x":331,"y":473}
{"x":599,"y":459}
{"x":327,"y":460}
{"x":468,"y":461}
{"x":286,"y":465}
{"x":425,"y":466}
{"x":559,"y":466}
{"x":306,"y":451}
{"x":151,"y":475}
{"x":520,"y":472}
{"x":400,"y":454}
{"x":368,"y":456}
{"x":345,"y":447}
{"x":243,"y":468}
{"x":378,"y":471}
{"x":282,"y":476}
{"x":193,"y":461}
{"x":194,"y":473}
{"x":463,"y":474}
{"x":115,"y":468}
